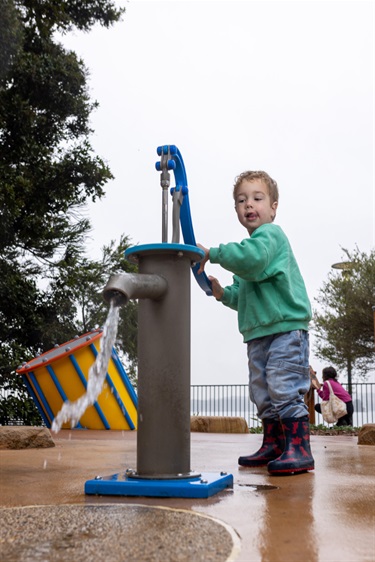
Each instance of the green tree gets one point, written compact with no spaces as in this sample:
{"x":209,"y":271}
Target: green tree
{"x":48,"y":170}
{"x":48,"y":173}
{"x":10,"y":36}
{"x":344,"y":323}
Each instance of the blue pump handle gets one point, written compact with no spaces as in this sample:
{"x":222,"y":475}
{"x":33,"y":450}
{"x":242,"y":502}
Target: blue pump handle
{"x":185,"y":215}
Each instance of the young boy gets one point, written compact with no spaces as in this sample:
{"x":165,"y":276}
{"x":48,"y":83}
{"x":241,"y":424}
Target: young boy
{"x":274,"y":311}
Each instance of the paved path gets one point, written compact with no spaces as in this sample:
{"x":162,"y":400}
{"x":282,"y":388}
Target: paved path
{"x":323,"y":516}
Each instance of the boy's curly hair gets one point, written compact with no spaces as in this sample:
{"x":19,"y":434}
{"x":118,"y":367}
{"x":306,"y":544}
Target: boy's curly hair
{"x":259,"y":175}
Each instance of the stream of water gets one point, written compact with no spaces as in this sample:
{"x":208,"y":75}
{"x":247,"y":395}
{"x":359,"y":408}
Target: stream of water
{"x":73,"y":411}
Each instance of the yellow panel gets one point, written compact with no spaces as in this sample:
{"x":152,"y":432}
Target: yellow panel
{"x":73,"y":388}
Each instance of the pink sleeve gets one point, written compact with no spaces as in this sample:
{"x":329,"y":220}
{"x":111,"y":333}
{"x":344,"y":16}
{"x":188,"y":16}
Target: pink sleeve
{"x":324,"y":394}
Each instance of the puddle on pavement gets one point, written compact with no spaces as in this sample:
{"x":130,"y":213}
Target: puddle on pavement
{"x":255,"y":487}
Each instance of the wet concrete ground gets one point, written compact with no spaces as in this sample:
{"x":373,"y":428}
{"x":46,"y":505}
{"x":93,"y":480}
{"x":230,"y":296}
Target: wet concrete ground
{"x":323,"y":516}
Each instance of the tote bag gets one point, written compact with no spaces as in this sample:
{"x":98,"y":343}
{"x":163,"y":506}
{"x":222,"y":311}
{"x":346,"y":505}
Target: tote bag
{"x":333,"y":408}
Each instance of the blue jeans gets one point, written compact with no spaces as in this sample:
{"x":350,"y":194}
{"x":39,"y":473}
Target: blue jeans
{"x":279,"y":374}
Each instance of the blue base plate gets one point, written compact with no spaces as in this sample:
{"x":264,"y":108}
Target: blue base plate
{"x":204,"y":486}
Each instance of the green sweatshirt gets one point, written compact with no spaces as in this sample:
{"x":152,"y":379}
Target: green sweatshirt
{"x":268,"y":290}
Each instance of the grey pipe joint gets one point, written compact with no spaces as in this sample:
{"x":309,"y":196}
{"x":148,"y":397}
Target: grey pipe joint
{"x":125,"y":286}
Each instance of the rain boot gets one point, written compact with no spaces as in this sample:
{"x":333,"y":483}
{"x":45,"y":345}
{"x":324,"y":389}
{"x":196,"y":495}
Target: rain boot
{"x":272,"y":446}
{"x":297,"y":455}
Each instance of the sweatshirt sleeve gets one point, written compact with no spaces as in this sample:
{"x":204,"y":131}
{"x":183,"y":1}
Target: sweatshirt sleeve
{"x":230,"y":296}
{"x":251,"y":258}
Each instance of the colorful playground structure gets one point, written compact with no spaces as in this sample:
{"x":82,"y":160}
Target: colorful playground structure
{"x":61,"y":374}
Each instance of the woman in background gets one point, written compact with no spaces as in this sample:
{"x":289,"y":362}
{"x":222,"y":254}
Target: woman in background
{"x":329,"y":373}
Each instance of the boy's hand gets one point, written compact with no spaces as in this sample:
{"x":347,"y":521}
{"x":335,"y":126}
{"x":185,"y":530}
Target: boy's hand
{"x":204,"y":260}
{"x":217,"y":289}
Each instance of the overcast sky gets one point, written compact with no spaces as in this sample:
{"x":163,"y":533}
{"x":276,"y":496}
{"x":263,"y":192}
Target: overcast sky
{"x":286,"y":87}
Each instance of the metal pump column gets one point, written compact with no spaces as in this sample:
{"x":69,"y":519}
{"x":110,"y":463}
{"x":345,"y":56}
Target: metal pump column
{"x":163,"y":436}
{"x":163,"y":288}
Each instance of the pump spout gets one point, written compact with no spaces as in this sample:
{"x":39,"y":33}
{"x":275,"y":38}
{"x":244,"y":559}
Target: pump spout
{"x":125,"y":286}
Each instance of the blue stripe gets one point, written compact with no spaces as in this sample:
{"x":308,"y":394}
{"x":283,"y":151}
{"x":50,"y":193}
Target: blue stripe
{"x":57,"y":383}
{"x":84,"y":382}
{"x":125,"y":379}
{"x":36,"y":400}
{"x":120,"y":402}
{"x":41,"y":397}
{"x":115,"y":393}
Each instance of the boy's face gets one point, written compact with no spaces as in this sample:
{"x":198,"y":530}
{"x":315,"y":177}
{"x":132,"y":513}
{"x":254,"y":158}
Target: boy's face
{"x":253,"y":204}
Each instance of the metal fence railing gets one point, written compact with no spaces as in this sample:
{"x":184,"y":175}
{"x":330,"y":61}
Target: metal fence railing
{"x":233,"y":400}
